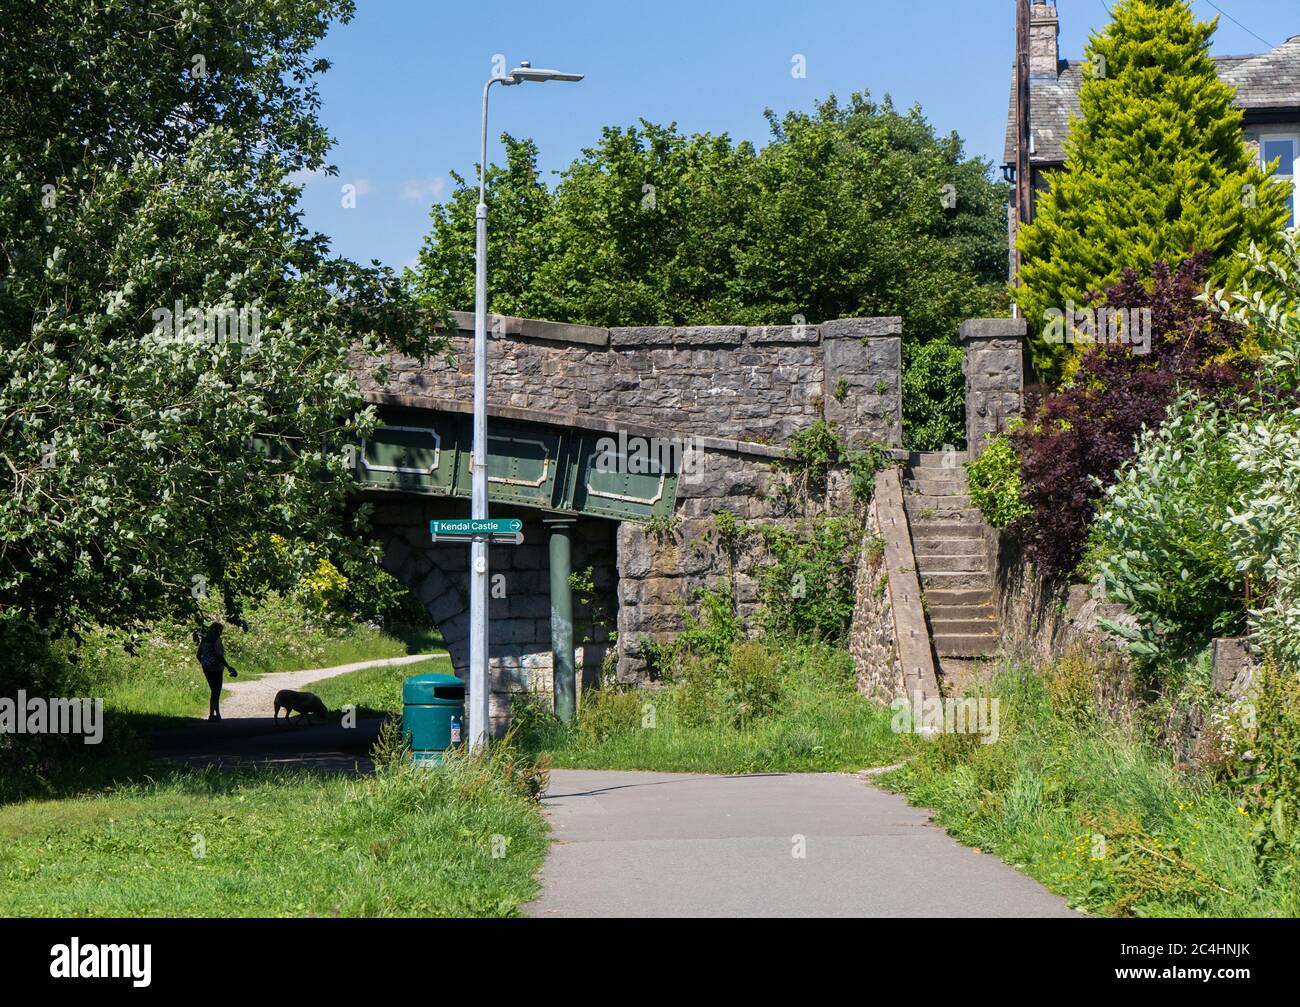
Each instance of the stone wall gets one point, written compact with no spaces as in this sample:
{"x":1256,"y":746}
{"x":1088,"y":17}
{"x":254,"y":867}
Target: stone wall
{"x":993,"y":364}
{"x":757,"y":384}
{"x":659,"y":569}
{"x":742,"y":390}
{"x":872,"y":641}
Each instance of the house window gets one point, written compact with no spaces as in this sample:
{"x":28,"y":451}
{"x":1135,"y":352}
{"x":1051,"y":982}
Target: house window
{"x":1285,"y":149}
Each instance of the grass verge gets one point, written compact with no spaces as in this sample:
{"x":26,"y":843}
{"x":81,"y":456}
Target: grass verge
{"x":162,"y":677}
{"x":764,"y":708}
{"x":1099,"y":814}
{"x":455,"y":841}
{"x":376,"y":690}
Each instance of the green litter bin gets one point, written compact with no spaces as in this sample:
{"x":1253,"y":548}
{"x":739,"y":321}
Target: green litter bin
{"x":433,"y":715}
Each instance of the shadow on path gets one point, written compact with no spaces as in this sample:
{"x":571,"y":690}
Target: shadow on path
{"x":263,"y":743}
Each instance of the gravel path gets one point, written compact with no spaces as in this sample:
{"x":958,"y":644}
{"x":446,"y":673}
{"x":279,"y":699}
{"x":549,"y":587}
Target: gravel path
{"x":674,"y":844}
{"x":255,"y":697}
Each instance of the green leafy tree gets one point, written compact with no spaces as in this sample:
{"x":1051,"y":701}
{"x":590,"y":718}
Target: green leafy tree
{"x":863,"y":210}
{"x":517,"y":202}
{"x":148,"y":153}
{"x":1156,"y":169}
{"x":852,"y":209}
{"x":934,"y":395}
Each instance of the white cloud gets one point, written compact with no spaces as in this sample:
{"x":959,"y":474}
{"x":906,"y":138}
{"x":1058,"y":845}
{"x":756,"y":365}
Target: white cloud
{"x":423,"y":190}
{"x":304,"y":176}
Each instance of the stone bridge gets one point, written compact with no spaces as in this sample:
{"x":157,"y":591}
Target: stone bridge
{"x":639,"y":542}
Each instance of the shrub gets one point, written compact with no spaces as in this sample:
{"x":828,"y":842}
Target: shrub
{"x":1203,"y":534}
{"x":749,"y":683}
{"x":1080,"y":436}
{"x":1155,"y":167}
{"x":694,"y":690}
{"x":810,"y":454}
{"x":733,"y":691}
{"x":806,"y":586}
{"x":373,"y":595}
{"x":994,"y":482}
{"x":863,"y":466}
{"x":1276,"y":757}
{"x":1089,"y":682}
{"x":608,"y":711}
{"x":714,"y":629}
{"x":1161,"y":542}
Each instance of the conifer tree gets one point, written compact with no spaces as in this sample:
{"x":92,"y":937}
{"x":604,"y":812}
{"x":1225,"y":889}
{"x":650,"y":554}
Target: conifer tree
{"x":1156,"y":170}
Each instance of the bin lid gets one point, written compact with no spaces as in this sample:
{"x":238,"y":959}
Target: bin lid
{"x":432,"y":689}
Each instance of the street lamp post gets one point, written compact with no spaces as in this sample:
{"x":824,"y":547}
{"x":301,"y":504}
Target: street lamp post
{"x":478,"y":595}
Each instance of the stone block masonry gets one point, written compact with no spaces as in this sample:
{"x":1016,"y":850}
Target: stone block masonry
{"x":757,"y":384}
{"x":993,"y":351}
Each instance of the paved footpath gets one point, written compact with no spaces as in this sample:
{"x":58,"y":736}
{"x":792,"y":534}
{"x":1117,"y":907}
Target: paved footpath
{"x":671,"y":844}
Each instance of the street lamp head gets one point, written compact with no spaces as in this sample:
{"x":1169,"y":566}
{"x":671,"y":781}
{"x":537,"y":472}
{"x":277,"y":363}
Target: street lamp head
{"x":526,"y":71}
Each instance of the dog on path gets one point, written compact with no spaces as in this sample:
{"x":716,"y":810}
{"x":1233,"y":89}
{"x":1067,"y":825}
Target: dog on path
{"x":302,"y":703}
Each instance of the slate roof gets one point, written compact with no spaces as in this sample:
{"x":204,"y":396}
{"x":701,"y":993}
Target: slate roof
{"x":1264,"y":82}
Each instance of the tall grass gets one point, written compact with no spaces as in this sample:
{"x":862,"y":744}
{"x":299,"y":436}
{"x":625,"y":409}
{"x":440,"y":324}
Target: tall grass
{"x":1099,"y":813}
{"x":810,"y":719}
{"x":376,"y":690}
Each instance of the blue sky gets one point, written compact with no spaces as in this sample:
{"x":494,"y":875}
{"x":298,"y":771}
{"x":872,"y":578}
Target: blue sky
{"x":403,"y":96}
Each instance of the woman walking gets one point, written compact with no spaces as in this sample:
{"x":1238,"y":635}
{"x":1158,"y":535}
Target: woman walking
{"x":212,"y":659}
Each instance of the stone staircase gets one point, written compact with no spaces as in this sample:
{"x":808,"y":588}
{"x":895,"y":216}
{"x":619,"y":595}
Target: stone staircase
{"x":951,"y":557}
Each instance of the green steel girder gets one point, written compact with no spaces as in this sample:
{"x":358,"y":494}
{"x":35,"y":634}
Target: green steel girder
{"x":551,"y":468}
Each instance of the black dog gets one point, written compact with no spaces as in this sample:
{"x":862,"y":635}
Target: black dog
{"x":302,"y":703}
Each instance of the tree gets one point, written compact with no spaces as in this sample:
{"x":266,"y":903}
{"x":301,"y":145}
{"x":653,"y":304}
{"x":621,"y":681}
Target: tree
{"x":149,"y":152}
{"x":1156,"y":170}
{"x":517,"y":203}
{"x":852,"y":209}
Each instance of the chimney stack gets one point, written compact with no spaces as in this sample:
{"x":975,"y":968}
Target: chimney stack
{"x":1044,"y":49}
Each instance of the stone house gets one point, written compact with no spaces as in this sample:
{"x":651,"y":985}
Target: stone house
{"x":1045,"y":94}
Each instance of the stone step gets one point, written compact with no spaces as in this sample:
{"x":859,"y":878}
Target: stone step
{"x":949,"y":501}
{"x":963,"y":627}
{"x":964,"y":646}
{"x":963,"y":581}
{"x":948,"y":488}
{"x":939,"y":597}
{"x":947,"y":545}
{"x":948,"y":563}
{"x":948,"y":483}
{"x":945,"y":613}
{"x":922,"y":512}
{"x":935,"y":459}
{"x":924,"y":530}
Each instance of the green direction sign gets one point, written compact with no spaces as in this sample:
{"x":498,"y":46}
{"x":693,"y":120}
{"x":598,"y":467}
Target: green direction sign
{"x":499,"y":530}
